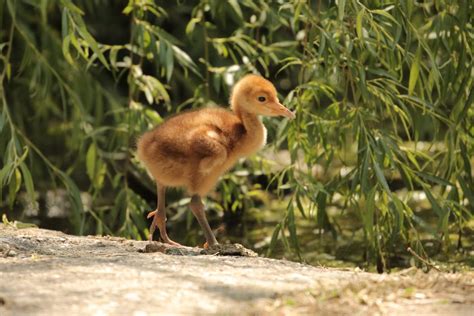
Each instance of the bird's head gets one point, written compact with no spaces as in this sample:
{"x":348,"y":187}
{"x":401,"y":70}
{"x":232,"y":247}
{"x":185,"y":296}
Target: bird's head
{"x":256,"y":95}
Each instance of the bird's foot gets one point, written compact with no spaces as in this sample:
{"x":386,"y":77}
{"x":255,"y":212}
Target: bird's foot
{"x":159,"y":222}
{"x":172,"y":243}
{"x":151,"y":214}
{"x":166,"y":240}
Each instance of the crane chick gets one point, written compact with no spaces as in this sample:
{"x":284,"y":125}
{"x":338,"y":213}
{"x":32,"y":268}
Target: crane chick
{"x":193,"y":149}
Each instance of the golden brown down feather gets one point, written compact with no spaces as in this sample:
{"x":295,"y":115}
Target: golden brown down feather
{"x":193,"y":149}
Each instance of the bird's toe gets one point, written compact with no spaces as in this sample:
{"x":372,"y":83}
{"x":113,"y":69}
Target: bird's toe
{"x":151,"y":214}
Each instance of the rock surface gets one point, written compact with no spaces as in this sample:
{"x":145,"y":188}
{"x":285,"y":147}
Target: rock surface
{"x":49,"y":273}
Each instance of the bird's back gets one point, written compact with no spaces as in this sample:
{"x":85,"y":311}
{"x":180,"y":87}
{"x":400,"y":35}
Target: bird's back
{"x":172,"y":149}
{"x":178,"y":134}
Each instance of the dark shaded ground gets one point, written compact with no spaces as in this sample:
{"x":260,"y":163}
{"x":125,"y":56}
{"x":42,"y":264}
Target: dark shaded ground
{"x":48,"y":272}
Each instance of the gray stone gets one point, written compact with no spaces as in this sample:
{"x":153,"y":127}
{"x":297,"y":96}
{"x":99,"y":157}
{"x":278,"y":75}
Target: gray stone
{"x":57,"y":274}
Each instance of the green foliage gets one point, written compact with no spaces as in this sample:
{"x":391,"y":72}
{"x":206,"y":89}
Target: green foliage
{"x":383,"y":92}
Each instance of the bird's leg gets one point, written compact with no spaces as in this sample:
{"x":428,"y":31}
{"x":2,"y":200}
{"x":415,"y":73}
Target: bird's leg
{"x":159,"y":217}
{"x":198,"y":210}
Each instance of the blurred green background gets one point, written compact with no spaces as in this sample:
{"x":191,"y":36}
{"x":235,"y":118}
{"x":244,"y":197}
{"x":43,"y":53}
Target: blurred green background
{"x":378,"y":160}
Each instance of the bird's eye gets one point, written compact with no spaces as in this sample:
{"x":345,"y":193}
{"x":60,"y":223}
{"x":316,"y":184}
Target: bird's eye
{"x":261,"y":99}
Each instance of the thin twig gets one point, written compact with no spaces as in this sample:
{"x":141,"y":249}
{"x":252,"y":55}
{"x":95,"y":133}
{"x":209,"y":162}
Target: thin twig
{"x":413,"y":253}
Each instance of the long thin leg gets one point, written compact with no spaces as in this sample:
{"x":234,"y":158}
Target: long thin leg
{"x":159,"y":217}
{"x":198,"y":210}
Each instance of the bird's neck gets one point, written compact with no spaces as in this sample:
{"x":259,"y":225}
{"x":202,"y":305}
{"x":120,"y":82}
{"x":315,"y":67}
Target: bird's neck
{"x":256,"y":134}
{"x":251,"y":121}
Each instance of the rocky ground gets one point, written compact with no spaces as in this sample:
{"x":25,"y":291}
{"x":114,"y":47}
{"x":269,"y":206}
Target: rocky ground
{"x":49,"y":273}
